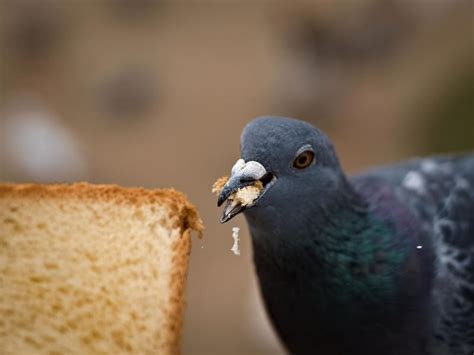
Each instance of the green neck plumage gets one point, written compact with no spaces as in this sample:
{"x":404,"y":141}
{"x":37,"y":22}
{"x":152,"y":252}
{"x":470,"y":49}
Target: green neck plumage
{"x":352,"y":259}
{"x":362,"y":257}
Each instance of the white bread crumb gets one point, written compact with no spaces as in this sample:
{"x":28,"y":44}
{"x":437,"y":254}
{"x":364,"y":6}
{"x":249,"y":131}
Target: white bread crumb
{"x":247,"y":194}
{"x":244,"y":196}
{"x":235,"y":247}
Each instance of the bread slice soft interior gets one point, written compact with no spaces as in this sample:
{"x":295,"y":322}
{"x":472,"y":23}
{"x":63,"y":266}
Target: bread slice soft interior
{"x":92,"y":269}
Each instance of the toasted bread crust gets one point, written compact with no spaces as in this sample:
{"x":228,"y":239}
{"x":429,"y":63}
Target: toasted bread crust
{"x":186,"y":213}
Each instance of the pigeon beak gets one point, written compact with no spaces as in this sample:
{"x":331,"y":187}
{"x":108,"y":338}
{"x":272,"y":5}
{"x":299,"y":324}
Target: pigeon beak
{"x":231,"y":209}
{"x":243,"y":174}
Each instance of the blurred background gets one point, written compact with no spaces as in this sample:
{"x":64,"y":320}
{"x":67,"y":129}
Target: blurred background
{"x":156,"y":93}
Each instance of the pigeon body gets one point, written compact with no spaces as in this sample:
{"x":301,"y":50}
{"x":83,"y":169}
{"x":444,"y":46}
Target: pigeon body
{"x":379,"y":263}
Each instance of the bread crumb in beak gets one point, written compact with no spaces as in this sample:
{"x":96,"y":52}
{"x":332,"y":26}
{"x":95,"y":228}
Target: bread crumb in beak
{"x":244,"y":196}
{"x":248,"y":194}
{"x":219,"y":185}
{"x":235,"y":247}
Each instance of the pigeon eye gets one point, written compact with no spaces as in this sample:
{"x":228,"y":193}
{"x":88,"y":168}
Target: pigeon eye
{"x":304,"y":159}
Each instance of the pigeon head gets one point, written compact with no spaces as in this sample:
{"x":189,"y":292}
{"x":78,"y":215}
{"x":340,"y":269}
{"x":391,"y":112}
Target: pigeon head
{"x":291,"y":158}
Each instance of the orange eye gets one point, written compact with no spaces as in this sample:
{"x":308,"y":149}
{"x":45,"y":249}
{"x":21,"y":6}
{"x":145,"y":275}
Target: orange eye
{"x":304,"y":159}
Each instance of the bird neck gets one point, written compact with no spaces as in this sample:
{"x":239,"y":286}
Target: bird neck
{"x":343,"y":253}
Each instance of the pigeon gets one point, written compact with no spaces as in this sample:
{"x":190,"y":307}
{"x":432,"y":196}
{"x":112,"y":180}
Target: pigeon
{"x":377,"y":263}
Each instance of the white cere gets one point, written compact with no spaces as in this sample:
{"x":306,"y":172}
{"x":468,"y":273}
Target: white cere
{"x":419,"y":247}
{"x":414,"y":181}
{"x":253,"y":169}
{"x":235,"y":247}
{"x":238,"y":166}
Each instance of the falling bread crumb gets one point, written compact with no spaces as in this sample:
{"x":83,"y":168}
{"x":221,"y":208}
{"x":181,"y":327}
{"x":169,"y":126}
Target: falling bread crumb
{"x":244,"y":196}
{"x":235,"y":247}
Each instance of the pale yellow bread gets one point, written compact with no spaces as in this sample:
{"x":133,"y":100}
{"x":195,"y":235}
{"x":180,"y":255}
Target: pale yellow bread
{"x":244,"y":196}
{"x":92,"y":269}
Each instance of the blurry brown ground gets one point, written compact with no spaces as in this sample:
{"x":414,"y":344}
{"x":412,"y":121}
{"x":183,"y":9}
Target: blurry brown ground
{"x":156,"y":94}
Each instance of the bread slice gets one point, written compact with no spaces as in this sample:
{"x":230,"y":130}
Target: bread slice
{"x":92,"y":269}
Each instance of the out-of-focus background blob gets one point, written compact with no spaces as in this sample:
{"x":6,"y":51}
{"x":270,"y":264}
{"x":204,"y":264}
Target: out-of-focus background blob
{"x":156,"y":93}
